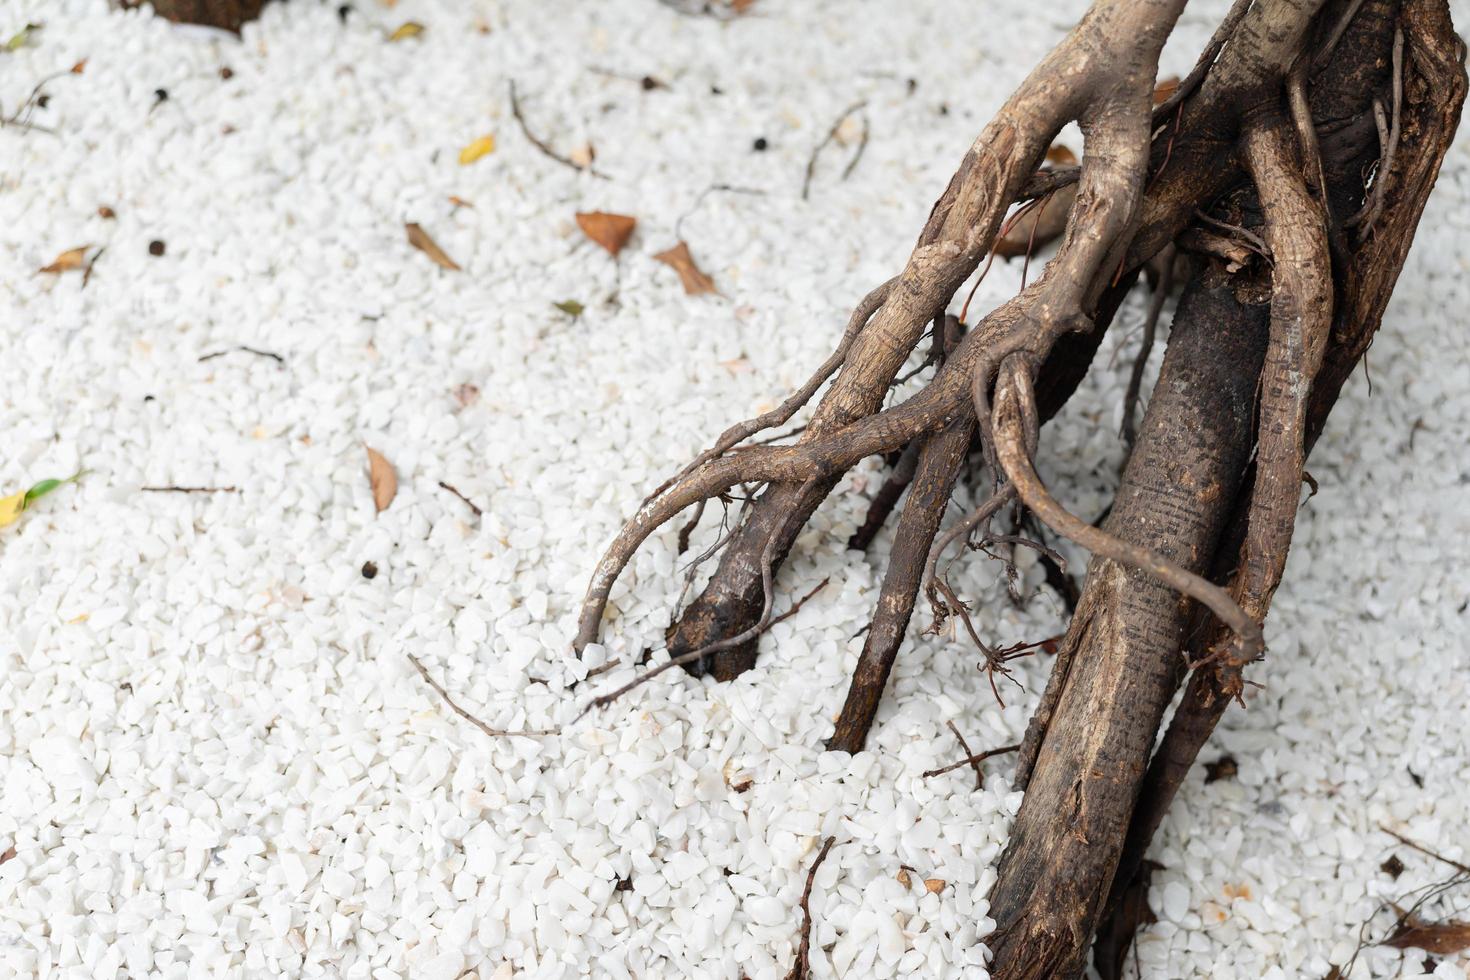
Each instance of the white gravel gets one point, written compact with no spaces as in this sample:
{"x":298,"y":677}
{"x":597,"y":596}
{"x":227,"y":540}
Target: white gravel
{"x":215,"y":758}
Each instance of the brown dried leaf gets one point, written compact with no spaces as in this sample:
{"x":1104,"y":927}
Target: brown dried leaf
{"x":695,"y":281}
{"x":934,"y":885}
{"x":1443,"y":938}
{"x":420,"y":240}
{"x":1166,"y":87}
{"x":406,"y":30}
{"x":1224,"y":767}
{"x":611,"y":231}
{"x":383,"y":477}
{"x":1042,"y":224}
{"x":68,"y":260}
{"x":460,"y":202}
{"x":904,"y":879}
{"x":79,"y":67}
{"x":1061,"y":155}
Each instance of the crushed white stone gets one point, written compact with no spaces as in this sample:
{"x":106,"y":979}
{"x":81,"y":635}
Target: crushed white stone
{"x":215,"y":759}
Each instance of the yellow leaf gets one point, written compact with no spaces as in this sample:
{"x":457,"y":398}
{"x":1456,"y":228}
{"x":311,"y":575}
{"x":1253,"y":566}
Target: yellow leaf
{"x":68,"y":260}
{"x":11,"y":508}
{"x":407,"y":29}
{"x":483,"y":146}
{"x":383,"y":477}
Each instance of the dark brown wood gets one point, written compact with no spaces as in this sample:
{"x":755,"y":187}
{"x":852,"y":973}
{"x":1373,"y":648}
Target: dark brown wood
{"x":227,"y":14}
{"x":938,"y":467}
{"x":1118,"y":664}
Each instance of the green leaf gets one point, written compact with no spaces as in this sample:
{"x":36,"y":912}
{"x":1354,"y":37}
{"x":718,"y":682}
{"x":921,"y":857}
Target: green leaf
{"x":46,"y":486}
{"x":19,"y":39}
{"x":570,"y":307}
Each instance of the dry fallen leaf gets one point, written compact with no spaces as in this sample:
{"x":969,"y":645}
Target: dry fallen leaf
{"x":903,"y":877}
{"x":476,"y":149}
{"x":407,"y":29}
{"x":420,"y":240}
{"x":1044,"y":223}
{"x":570,"y":307}
{"x":934,"y":885}
{"x":1165,"y":88}
{"x":383,"y":478}
{"x":611,"y":231}
{"x":79,"y":67}
{"x":68,"y":260}
{"x":695,"y":282}
{"x":1061,"y":155}
{"x":460,"y":202}
{"x":1443,"y":938}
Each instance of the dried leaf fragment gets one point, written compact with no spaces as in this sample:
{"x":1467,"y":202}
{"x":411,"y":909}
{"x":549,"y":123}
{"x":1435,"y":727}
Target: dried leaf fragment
{"x":1443,"y":938}
{"x":383,"y":477}
{"x":477,"y":148}
{"x":407,"y":29}
{"x":68,"y":260}
{"x":1043,"y":223}
{"x":79,"y":67}
{"x":611,"y":231}
{"x":695,"y":282}
{"x":420,"y":240}
{"x":934,"y":885}
{"x":1164,"y":88}
{"x":903,"y":877}
{"x":570,"y":307}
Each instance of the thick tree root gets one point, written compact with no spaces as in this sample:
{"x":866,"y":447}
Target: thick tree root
{"x":1118,"y":665}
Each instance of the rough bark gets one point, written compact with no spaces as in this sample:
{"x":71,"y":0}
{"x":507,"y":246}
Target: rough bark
{"x":1118,"y":664}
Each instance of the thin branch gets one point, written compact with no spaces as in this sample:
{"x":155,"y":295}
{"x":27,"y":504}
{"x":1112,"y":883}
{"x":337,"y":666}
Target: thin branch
{"x":540,"y":144}
{"x":687,"y":658}
{"x":973,"y":760}
{"x":801,"y":969}
{"x":969,"y":755}
{"x":173,"y":489}
{"x":1407,"y":842}
{"x":811,"y":164}
{"x":467,"y":501}
{"x":492,"y":732}
{"x":248,"y":350}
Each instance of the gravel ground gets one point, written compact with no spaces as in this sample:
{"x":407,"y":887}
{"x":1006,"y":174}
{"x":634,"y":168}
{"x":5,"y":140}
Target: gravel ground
{"x":216,"y":758}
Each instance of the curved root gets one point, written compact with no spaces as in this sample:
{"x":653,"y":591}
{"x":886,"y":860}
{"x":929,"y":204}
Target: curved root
{"x":1015,"y":415}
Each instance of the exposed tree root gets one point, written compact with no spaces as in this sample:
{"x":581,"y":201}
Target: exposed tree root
{"x":1267,"y":142}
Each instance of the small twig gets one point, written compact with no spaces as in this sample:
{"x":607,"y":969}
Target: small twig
{"x":610,"y":665}
{"x":492,"y":732}
{"x":540,"y":144}
{"x":858,"y":154}
{"x":811,"y":164}
{"x":173,"y":489}
{"x":87,"y":272}
{"x":969,"y":755}
{"x":973,"y":760}
{"x":801,"y":969}
{"x":248,"y":350}
{"x":711,"y":189}
{"x":467,"y":501}
{"x":603,"y":700}
{"x":1408,"y":842}
{"x":1388,"y":138}
{"x":1256,"y":242}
